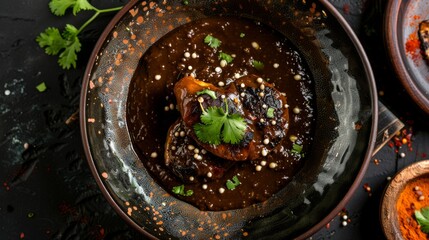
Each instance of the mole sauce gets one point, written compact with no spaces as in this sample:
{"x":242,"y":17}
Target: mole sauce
{"x":185,"y":51}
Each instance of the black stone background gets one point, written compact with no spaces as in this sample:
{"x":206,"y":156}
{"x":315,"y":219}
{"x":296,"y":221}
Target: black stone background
{"x":47,"y":190}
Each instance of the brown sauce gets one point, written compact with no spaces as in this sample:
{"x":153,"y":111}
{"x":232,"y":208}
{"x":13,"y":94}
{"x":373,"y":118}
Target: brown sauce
{"x":151,"y":107}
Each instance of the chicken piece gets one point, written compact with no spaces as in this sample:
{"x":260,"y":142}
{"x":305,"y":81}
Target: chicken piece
{"x":257,"y":101}
{"x":424,"y":38}
{"x":187,"y":161}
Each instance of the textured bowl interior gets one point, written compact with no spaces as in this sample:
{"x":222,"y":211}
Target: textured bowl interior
{"x":344,"y":135}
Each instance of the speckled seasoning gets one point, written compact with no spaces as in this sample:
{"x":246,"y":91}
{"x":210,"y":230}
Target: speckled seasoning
{"x":221,"y":52}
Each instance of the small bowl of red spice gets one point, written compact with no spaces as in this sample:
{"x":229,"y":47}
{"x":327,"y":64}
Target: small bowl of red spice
{"x":404,"y":212}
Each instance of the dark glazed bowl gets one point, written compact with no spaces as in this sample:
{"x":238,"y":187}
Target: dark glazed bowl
{"x":346,"y":105}
{"x":401,"y":26}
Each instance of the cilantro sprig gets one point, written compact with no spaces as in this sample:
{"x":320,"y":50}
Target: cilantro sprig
{"x":212,"y":41}
{"x":218,"y":125}
{"x":180,"y":190}
{"x":422,"y":217}
{"x":232,"y":184}
{"x":66,"y":44}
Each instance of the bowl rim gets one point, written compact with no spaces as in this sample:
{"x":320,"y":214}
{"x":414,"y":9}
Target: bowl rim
{"x":388,"y":216}
{"x":396,"y":59}
{"x":368,"y":154}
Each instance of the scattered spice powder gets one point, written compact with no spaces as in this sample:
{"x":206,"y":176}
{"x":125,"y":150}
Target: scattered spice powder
{"x":413,"y":197}
{"x":412,"y":47}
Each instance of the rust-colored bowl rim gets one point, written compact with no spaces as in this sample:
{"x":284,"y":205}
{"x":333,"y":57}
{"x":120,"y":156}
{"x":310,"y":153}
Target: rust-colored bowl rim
{"x":392,"y":16}
{"x":309,"y":232}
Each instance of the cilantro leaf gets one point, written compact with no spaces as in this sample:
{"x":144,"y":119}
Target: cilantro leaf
{"x":59,"y":7}
{"x":270,"y":112}
{"x":180,"y":190}
{"x":258,"y":65}
{"x":212,"y":41}
{"x":219,"y":126}
{"x":231,"y":185}
{"x":422,"y":217}
{"x":41,"y":87}
{"x":51,"y":40}
{"x":209,"y":92}
{"x":68,"y":57}
{"x":225,"y":56}
{"x":296,"y":148}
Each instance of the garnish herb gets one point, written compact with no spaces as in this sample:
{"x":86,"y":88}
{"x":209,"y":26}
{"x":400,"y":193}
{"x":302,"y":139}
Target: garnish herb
{"x":41,"y":87}
{"x":212,"y":41}
{"x":185,"y":2}
{"x":209,"y":92}
{"x":270,"y":112}
{"x":258,"y":65}
{"x":296,"y":148}
{"x":67,"y":44}
{"x":242,"y":35}
{"x":218,"y":125}
{"x":180,"y":190}
{"x":422,"y":217}
{"x":232,"y":184}
{"x":225,"y":56}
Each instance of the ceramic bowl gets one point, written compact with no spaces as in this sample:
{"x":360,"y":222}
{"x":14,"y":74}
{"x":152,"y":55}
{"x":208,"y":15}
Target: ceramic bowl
{"x":402,"y":20}
{"x":345,"y":126}
{"x":388,"y":212}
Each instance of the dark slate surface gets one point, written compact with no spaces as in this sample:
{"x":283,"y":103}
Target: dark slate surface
{"x":47,"y":190}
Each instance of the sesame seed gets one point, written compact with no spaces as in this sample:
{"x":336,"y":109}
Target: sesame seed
{"x":182,"y":133}
{"x":189,"y":67}
{"x":255,"y":45}
{"x":193,"y":75}
{"x":166,"y":108}
{"x":264,"y":152}
{"x":296,"y":110}
{"x":203,"y":151}
{"x":204,"y":186}
{"x":221,"y":190}
{"x":264,"y":106}
{"x":297,"y":77}
{"x":176,"y":134}
{"x":344,"y":223}
{"x":237,"y":75}
{"x":276,"y":65}
{"x":222,"y":96}
{"x":258,"y":168}
{"x":345,"y":217}
{"x":273,"y":165}
{"x":191,"y":147}
{"x":199,"y":158}
{"x":261,"y":94}
{"x":154,"y":155}
{"x":157,"y":77}
{"x":286,"y":106}
{"x":191,"y":178}
{"x":209,"y":174}
{"x":262,"y":86}
{"x":273,"y":122}
{"x":259,"y":80}
{"x":171,"y":106}
{"x":266,"y":141}
{"x":218,"y":69}
{"x":223,"y":63}
{"x":196,"y":150}
{"x":221,"y":84}
{"x":194,"y":55}
{"x":187,"y":54}
{"x":263,"y":163}
{"x":402,"y":155}
{"x":7,"y":92}
{"x":242,"y":94}
{"x":242,"y":85}
{"x":262,"y":120}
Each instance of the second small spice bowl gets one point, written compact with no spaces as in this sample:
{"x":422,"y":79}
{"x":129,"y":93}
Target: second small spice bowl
{"x":407,"y":193}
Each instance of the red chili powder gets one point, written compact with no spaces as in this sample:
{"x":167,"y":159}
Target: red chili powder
{"x":412,"y":46}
